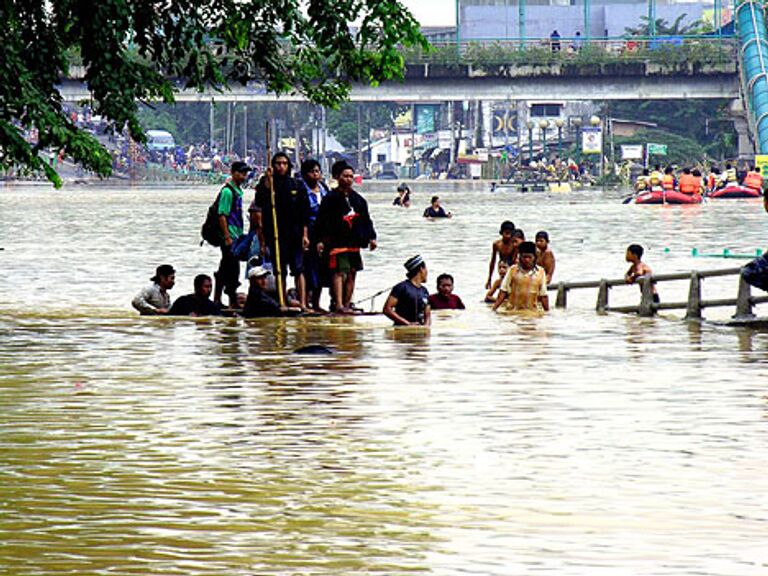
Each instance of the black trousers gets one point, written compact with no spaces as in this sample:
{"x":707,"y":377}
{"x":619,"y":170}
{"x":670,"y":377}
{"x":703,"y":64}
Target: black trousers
{"x":228,"y":274}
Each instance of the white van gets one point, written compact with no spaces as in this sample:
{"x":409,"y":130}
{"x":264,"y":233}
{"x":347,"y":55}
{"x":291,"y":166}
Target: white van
{"x":159,"y":140}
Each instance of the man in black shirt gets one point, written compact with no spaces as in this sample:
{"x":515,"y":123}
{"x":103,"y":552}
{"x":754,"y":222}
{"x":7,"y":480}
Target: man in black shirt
{"x":343,"y":227}
{"x":292,"y":208}
{"x":408,"y":302}
{"x":199,"y":303}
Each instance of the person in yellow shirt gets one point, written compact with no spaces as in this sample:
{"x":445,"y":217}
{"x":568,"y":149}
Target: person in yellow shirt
{"x":656,"y":177}
{"x":525,"y":285}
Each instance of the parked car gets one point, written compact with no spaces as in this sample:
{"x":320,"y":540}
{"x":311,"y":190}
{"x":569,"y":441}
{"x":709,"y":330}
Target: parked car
{"x":160,"y":140}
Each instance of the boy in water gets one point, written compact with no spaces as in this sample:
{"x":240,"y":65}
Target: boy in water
{"x":638,"y":268}
{"x":525,"y":285}
{"x":504,"y":247}
{"x":490,"y":296}
{"x":544,"y":256}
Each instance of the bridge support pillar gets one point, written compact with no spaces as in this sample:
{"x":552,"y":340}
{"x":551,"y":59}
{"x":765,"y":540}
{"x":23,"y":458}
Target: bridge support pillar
{"x":746,"y":147}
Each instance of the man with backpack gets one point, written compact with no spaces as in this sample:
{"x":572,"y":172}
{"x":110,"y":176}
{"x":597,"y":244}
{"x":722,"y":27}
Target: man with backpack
{"x":230,"y":221}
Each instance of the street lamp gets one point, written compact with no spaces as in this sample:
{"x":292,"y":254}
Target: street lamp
{"x":559,"y":123}
{"x":595,"y":122}
{"x":577,"y":123}
{"x":544,"y":124}
{"x":530,"y":124}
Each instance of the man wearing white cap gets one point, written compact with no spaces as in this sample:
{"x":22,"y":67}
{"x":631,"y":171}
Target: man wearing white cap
{"x":408,"y":302}
{"x":259,"y":304}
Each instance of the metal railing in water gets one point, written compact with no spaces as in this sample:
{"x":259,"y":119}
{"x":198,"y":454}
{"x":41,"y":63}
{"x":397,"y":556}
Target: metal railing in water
{"x":744,"y":301}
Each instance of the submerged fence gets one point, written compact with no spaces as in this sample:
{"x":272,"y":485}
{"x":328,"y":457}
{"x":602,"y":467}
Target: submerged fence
{"x":744,"y":301}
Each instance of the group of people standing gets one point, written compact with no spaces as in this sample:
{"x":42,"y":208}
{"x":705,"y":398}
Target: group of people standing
{"x":691,"y":181}
{"x":297,"y":226}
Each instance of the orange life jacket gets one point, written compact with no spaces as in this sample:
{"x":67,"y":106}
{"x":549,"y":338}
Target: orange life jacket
{"x":697,"y":184}
{"x":689,"y":184}
{"x":753,"y":180}
{"x":711,"y":180}
{"x":668,"y":182}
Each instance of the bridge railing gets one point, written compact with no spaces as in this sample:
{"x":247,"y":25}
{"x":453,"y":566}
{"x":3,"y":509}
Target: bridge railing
{"x":670,"y":51}
{"x":744,"y":301}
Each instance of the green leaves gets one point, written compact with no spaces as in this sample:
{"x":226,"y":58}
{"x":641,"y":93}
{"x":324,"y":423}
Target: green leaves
{"x":132,"y":49}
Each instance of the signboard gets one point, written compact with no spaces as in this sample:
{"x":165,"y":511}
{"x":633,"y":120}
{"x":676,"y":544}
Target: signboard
{"x":482,"y":154}
{"x":657,"y":149}
{"x":444,"y":139}
{"x":504,"y":122}
{"x":761,"y":161}
{"x":631,"y":151}
{"x":426,"y":117}
{"x":591,"y":140}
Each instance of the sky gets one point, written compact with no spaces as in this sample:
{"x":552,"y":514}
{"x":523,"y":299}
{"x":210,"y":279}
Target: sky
{"x":433,"y":12}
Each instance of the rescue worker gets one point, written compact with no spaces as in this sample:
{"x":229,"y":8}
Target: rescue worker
{"x":698,"y":181}
{"x":754,"y":180}
{"x":713,"y":179}
{"x":668,"y":180}
{"x":688,"y":183}
{"x":643,"y":181}
{"x":730,"y":176}
{"x":656,"y":176}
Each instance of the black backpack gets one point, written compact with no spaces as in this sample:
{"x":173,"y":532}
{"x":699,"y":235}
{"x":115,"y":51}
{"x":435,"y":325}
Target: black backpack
{"x":211,"y":229}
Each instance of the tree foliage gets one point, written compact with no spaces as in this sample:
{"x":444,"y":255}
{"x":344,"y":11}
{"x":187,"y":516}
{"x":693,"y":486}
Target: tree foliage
{"x":706,"y":122}
{"x":681,"y":151}
{"x":663,"y":28}
{"x":342,"y":123}
{"x":133,"y":50}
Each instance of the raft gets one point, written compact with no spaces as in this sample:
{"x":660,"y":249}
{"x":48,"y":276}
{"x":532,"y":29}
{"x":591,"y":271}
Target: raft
{"x":669,"y":197}
{"x":735,"y":191}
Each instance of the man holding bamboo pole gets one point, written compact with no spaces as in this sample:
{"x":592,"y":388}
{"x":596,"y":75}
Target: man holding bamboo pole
{"x":283,"y":224}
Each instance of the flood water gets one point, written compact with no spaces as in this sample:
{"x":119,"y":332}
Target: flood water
{"x":571,"y":444}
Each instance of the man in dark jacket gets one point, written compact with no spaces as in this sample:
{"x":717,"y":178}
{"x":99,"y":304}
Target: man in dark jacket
{"x":292,"y":207}
{"x":343,"y":227}
{"x":199,"y":303}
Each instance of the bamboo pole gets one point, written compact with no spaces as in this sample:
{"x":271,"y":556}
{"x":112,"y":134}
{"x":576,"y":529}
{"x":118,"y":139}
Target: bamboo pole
{"x":278,"y":270}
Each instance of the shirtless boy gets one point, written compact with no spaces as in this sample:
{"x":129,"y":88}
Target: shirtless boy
{"x":544,"y":256}
{"x":638,"y":268}
{"x":504,"y":247}
{"x":490,"y":296}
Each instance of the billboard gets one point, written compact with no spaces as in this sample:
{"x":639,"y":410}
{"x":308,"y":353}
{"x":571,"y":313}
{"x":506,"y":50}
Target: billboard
{"x":591,"y":140}
{"x":426,"y":117}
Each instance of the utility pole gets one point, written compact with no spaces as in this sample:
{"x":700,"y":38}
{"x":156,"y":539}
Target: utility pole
{"x":413,"y":141}
{"x":245,"y":131}
{"x":210,"y":122}
{"x":359,"y":140}
{"x":452,"y":125}
{"x":322,"y":141}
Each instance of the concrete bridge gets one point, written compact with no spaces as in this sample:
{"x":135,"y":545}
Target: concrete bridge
{"x":722,"y":84}
{"x":607,"y":69}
